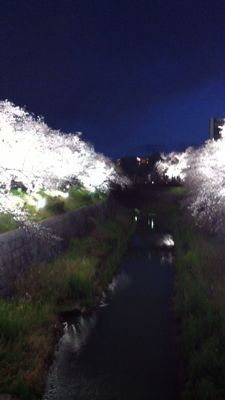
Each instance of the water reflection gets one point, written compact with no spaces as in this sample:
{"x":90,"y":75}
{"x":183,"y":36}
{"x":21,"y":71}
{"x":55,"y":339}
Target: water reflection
{"x":166,"y":240}
{"x":72,"y":342}
{"x":131,"y":352}
{"x":103,"y":301}
{"x":166,"y":258}
{"x":137,"y":214}
{"x":151,"y":223}
{"x":76,"y":334}
{"x":119,"y":282}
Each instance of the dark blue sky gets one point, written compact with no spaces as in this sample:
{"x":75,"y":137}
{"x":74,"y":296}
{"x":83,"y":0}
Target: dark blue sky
{"x":132,"y":75}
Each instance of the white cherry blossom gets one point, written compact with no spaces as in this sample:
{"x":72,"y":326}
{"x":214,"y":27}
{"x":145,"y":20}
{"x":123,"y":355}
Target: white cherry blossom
{"x":38,"y":157}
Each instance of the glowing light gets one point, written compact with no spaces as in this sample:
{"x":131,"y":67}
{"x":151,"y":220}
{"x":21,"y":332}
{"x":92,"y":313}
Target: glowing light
{"x":203,"y":173}
{"x":167,"y":241}
{"x":41,"y":203}
{"x":152,"y":223}
{"x":174,"y":166}
{"x":35,"y":200}
{"x":38,"y":157}
{"x":57,"y":193}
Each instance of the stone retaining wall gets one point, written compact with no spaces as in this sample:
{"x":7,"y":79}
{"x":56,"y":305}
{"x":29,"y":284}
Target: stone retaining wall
{"x":19,"y":249}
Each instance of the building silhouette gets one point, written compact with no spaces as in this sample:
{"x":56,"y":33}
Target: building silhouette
{"x":215,"y":127}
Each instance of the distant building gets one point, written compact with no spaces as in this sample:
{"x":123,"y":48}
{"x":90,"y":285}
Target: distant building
{"x":142,"y":160}
{"x":140,"y":169}
{"x":214,"y":127}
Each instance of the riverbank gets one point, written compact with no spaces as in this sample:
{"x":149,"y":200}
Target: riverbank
{"x":199,"y":300}
{"x":30,"y":322}
{"x":126,"y":348}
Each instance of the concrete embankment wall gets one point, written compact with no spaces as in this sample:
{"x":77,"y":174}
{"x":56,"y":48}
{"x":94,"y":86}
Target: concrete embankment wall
{"x":20,"y":249}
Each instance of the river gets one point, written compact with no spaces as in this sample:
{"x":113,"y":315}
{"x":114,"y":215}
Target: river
{"x":126,"y":349}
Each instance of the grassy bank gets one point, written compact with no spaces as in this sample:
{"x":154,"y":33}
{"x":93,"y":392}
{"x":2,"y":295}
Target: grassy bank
{"x":47,"y":206}
{"x":29,"y":323}
{"x":199,"y":302}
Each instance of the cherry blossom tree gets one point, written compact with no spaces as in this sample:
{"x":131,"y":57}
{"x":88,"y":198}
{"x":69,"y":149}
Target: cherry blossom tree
{"x":202,"y":171}
{"x":173,"y":166}
{"x":38,"y":157}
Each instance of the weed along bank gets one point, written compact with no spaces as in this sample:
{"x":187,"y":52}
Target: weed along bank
{"x":126,"y":348}
{"x":20,"y":249}
{"x":41,"y":284}
{"x":79,"y":322}
{"x":199,"y":298}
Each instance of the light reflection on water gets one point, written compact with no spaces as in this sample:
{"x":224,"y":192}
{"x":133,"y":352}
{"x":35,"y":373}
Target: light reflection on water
{"x":72,"y":342}
{"x":125,"y":350}
{"x":119,"y":283}
{"x":74,"y":339}
{"x":76,"y":335}
{"x":166,"y":258}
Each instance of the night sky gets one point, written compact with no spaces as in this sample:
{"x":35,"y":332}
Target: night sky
{"x":133,"y":75}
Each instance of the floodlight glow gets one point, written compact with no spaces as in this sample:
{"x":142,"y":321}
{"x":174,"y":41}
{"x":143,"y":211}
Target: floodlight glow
{"x":167,"y":241}
{"x":174,"y":165}
{"x":152,"y":223}
{"x":202,"y":172}
{"x":39,"y":157}
{"x":57,"y":193}
{"x":41,"y":203}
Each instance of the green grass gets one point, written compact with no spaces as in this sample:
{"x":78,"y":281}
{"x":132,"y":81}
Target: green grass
{"x":75,"y":280}
{"x":7,"y":223}
{"x":177,"y":190}
{"x":199,"y":303}
{"x":26,"y":339}
{"x":57,"y":205}
{"x":54,"y":205}
{"x":80,"y":198}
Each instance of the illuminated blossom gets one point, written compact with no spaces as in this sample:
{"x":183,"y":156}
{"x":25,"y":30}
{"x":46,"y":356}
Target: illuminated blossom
{"x":202,"y":172}
{"x":37,"y":157}
{"x":173,"y":166}
{"x":205,"y":183}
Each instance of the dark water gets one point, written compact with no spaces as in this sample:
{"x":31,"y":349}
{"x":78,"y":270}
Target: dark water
{"x":127,"y":348}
